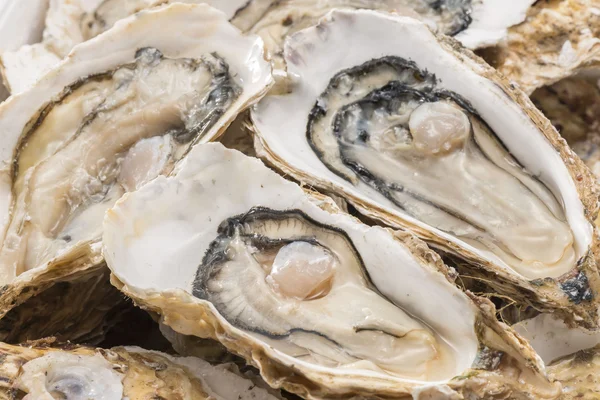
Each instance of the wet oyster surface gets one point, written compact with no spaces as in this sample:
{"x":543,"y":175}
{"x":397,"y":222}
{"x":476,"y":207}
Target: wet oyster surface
{"x":107,"y":135}
{"x":388,"y":124}
{"x":316,"y":299}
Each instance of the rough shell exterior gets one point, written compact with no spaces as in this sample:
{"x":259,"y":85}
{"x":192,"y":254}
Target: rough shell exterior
{"x":558,"y":39}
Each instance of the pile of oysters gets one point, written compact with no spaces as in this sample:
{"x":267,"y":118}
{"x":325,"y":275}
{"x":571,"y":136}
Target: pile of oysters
{"x":284,"y":199}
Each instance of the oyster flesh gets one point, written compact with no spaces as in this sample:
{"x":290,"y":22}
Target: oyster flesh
{"x":42,"y":372}
{"x":416,"y":132}
{"x":120,"y":110}
{"x":322,"y":304}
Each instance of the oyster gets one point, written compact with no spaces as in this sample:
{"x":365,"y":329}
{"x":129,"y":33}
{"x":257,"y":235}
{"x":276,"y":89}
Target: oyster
{"x":41,"y":372}
{"x":70,"y":22}
{"x":474,"y":23}
{"x":558,"y":39}
{"x":572,"y":354}
{"x":98,"y":126}
{"x":322,"y":304}
{"x":418,"y":133}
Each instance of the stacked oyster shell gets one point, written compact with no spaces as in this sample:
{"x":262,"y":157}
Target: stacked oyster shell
{"x":408,"y":198}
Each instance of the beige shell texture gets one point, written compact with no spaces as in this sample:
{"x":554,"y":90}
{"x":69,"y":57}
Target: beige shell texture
{"x":558,"y":38}
{"x":140,"y":374}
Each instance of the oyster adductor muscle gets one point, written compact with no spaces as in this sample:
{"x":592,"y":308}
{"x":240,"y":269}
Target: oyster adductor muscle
{"x":98,"y":126}
{"x":427,"y":137}
{"x":321,"y":303}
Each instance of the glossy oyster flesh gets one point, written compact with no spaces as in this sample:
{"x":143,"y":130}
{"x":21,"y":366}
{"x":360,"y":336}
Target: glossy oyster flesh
{"x":42,"y":372}
{"x":417,"y":134}
{"x":320,"y":303}
{"x":97,"y":127}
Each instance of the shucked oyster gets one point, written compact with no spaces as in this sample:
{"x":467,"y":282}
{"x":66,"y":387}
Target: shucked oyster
{"x":418,"y":134}
{"x":40,"y":372}
{"x":322,"y":304}
{"x":122,"y":109}
{"x":70,"y":22}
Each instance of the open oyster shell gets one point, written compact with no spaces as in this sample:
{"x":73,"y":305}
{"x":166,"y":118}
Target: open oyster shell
{"x":572,"y":354}
{"x":418,"y":133}
{"x":322,"y":304}
{"x":120,"y":110}
{"x":41,"y":372}
{"x":558,"y":39}
{"x":70,"y":22}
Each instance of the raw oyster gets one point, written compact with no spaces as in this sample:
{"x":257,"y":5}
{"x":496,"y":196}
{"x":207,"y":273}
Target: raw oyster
{"x":322,"y":304}
{"x":118,"y":111}
{"x":41,"y":372}
{"x":557,"y":39}
{"x":416,"y":132}
{"x":70,"y":22}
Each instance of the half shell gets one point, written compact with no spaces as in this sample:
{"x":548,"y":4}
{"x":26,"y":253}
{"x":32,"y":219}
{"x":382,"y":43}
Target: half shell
{"x":121,"y":109}
{"x":417,"y":133}
{"x":322,"y":304}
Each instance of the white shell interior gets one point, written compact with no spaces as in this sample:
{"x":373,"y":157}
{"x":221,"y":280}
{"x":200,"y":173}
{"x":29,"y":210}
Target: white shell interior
{"x":551,"y":338}
{"x":23,"y":66}
{"x":200,"y":30}
{"x":155,"y":239}
{"x":345,"y":39}
{"x":491,"y":20}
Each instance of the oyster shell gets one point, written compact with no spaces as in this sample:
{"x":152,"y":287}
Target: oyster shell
{"x":98,"y":126}
{"x":572,"y":354}
{"x":417,"y":133}
{"x":558,"y":39}
{"x":322,"y":304}
{"x":20,"y":26}
{"x":70,"y":22}
{"x":40,"y":372}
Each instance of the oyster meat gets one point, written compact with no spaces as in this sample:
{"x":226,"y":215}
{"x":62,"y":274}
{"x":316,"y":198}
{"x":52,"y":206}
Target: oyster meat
{"x":98,"y":126}
{"x":322,"y":304}
{"x":418,"y":133}
{"x":45,"y":370}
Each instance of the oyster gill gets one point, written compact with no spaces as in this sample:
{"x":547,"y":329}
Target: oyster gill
{"x":417,"y":134}
{"x":322,"y":304}
{"x":96,"y":127}
{"x":80,"y":373}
